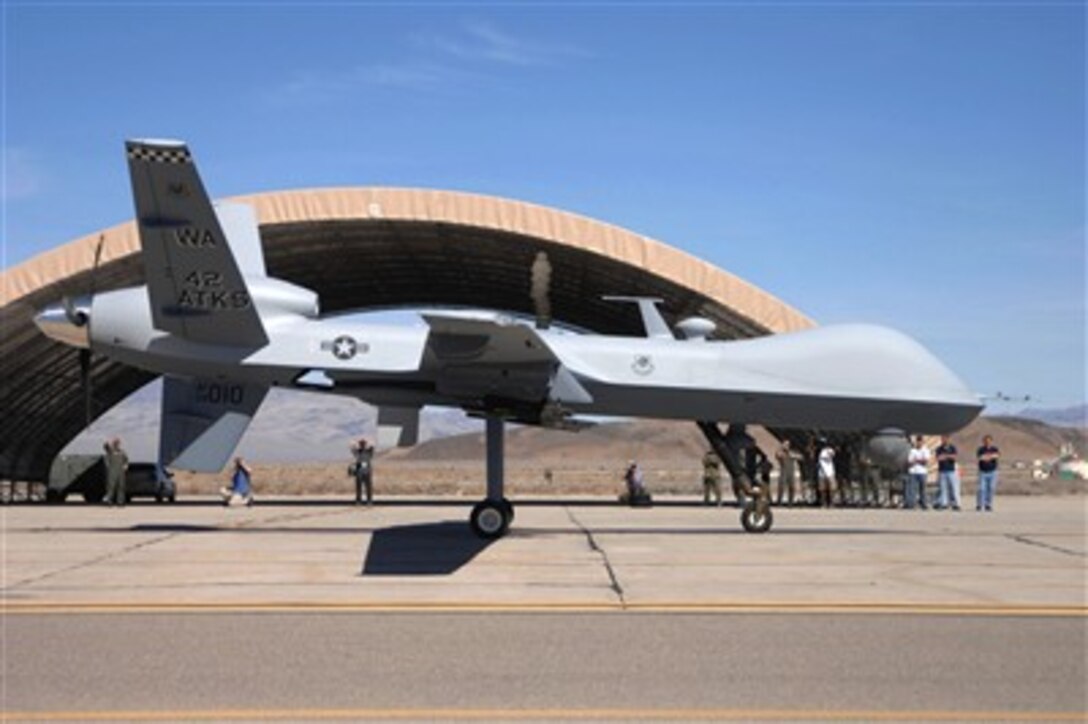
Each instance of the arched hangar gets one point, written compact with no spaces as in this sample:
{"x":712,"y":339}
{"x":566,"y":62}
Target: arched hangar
{"x":366,"y":248}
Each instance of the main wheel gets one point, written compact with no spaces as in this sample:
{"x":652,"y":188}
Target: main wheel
{"x":509,"y":510}
{"x":490,"y":519}
{"x":755,"y":521}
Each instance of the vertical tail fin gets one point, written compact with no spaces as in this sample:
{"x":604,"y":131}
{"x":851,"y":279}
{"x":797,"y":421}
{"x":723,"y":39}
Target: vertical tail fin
{"x":203,"y":420}
{"x":195,"y":275}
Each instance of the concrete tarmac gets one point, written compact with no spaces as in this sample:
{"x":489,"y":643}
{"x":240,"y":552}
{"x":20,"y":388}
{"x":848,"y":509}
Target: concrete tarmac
{"x":587,"y":610}
{"x":1030,"y":552}
{"x":543,"y":665}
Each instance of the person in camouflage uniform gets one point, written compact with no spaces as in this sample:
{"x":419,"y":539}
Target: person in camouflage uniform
{"x":712,"y":478}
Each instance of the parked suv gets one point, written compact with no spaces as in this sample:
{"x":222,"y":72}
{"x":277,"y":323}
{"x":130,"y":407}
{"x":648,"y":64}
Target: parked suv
{"x":86,"y":475}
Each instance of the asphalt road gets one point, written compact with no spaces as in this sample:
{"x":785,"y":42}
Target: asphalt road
{"x":572,"y":665}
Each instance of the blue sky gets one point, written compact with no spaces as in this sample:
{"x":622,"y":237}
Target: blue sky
{"x":916,"y":165}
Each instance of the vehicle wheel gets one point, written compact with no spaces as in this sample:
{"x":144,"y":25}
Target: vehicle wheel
{"x":755,"y":521}
{"x":509,"y":510}
{"x":94,"y":497}
{"x":489,"y":519}
{"x":55,"y":496}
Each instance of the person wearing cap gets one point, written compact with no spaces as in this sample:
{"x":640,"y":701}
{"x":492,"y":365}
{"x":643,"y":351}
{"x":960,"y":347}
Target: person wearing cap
{"x":116,"y":468}
{"x":362,"y":470}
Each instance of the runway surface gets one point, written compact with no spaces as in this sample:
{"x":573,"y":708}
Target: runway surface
{"x":317,"y":610}
{"x":576,"y":665}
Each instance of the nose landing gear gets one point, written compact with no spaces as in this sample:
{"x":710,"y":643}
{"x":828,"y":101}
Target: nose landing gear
{"x":756,"y":516}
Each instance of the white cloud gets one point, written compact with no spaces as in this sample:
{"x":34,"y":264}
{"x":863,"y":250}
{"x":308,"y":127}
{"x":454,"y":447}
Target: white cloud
{"x":23,"y":175}
{"x":322,"y":86}
{"x":484,"y":42}
{"x":447,"y":61}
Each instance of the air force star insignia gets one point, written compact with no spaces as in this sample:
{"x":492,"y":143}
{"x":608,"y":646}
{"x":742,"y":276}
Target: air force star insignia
{"x":643,"y":364}
{"x":344,"y":347}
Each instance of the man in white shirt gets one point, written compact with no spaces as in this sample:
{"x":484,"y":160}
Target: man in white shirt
{"x":826,"y":474}
{"x":917,"y":471}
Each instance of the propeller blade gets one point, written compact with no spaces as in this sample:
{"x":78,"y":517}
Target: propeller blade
{"x":75,"y":316}
{"x":97,"y":258}
{"x":85,"y":384}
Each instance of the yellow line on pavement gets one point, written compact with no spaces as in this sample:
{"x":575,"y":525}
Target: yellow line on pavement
{"x":765,"y":607}
{"x":541,"y":714}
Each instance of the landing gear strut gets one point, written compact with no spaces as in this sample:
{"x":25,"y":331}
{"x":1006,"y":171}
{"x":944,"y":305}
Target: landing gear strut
{"x":491,"y":517}
{"x":756,"y":516}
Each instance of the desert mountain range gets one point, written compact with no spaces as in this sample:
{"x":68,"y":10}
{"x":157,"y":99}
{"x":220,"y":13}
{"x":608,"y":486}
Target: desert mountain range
{"x":296,"y":427}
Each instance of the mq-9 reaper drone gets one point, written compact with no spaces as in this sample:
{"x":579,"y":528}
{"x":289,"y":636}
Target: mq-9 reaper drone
{"x":221,"y":332}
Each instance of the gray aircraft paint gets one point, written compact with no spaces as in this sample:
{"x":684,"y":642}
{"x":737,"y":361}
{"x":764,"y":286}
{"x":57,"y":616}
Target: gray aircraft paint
{"x":210,"y":315}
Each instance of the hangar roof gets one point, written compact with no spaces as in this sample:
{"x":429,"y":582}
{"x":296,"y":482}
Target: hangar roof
{"x":365,"y":248}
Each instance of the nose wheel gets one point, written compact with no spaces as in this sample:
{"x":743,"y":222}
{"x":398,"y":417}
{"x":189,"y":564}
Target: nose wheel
{"x":491,"y":518}
{"x":756,"y":518}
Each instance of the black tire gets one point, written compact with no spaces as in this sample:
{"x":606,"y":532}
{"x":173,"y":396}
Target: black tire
{"x":509,"y":510}
{"x":489,"y":519}
{"x":55,"y":496}
{"x":94,"y":497}
{"x":754,"y":521}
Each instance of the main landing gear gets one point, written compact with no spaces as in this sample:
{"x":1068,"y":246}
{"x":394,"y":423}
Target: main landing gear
{"x":492,"y":516}
{"x":491,"y":519}
{"x":756,"y":516}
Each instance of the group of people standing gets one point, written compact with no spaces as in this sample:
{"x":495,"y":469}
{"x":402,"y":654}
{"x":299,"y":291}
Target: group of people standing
{"x":948,"y":475}
{"x":824,"y":475}
{"x":813,"y":476}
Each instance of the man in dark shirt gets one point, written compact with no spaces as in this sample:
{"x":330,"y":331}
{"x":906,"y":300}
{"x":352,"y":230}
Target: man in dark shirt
{"x":844,"y":474}
{"x":988,"y":455}
{"x":948,"y":478}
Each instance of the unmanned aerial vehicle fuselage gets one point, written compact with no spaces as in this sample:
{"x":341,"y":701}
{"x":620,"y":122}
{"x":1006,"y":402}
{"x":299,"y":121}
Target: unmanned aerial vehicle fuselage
{"x":222,"y":332}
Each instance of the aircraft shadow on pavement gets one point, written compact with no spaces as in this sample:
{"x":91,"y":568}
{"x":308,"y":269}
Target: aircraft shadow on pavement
{"x":422,"y":549}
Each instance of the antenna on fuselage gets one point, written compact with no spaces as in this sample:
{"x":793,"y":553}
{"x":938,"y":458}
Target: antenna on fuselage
{"x":652,"y":321}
